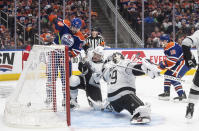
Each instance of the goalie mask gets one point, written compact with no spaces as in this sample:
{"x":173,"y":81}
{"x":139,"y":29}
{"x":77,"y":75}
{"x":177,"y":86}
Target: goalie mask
{"x":117,"y":57}
{"x":98,"y":54}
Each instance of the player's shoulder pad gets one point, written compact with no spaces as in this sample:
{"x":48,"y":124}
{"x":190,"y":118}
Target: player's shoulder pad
{"x":80,"y":35}
{"x":170,"y":45}
{"x":67,"y":22}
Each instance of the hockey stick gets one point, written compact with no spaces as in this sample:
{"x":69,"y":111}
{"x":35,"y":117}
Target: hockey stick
{"x":83,"y":75}
{"x":140,"y":58}
{"x":166,"y":76}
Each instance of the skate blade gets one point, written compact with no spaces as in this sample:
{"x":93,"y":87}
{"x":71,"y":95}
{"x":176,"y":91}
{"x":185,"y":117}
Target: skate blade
{"x":164,"y":99}
{"x":178,"y":101}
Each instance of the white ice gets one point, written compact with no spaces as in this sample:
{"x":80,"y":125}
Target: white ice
{"x":165,"y":116}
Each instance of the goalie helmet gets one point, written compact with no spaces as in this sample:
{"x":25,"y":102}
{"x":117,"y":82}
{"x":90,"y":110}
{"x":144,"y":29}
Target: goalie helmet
{"x":117,"y":57}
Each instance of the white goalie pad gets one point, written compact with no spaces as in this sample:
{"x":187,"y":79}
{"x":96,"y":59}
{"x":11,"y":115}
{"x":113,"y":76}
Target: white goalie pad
{"x":144,"y":111}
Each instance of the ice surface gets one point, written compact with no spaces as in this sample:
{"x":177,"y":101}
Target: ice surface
{"x":166,"y":115}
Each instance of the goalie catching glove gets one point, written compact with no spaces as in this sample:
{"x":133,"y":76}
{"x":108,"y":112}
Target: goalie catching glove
{"x":150,"y":69}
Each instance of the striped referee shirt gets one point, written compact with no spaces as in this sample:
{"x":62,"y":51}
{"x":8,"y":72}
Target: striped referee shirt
{"x":94,"y":42}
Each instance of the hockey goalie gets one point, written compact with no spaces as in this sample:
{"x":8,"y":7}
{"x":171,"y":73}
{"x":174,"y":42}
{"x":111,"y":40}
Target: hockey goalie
{"x":119,"y":73}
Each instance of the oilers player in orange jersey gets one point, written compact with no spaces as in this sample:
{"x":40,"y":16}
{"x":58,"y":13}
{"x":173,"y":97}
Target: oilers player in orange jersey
{"x":68,"y":34}
{"x":176,"y":67}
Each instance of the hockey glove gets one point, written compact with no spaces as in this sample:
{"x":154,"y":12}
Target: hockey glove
{"x":190,"y":61}
{"x":82,"y":67}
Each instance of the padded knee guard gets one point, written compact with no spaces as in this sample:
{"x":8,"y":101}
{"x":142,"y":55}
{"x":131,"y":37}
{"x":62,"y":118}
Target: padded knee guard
{"x":74,"y":81}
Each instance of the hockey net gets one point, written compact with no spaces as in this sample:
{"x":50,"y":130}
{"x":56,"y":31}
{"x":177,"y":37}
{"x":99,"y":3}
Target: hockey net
{"x":41,"y":98}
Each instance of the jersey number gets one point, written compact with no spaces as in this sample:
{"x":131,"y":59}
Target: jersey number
{"x":114,"y":77}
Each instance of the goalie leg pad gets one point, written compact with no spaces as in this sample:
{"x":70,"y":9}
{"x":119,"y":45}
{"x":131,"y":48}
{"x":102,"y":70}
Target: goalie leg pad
{"x":142,"y":114}
{"x":129,"y":102}
{"x":144,"y":111}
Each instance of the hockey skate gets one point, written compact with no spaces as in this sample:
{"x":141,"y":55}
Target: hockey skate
{"x":190,"y":110}
{"x":180,"y":98}
{"x":73,"y":104}
{"x":164,"y":96}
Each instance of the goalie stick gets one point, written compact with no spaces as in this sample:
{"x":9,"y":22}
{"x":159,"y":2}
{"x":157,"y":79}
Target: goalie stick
{"x":140,"y":58}
{"x":166,"y":76}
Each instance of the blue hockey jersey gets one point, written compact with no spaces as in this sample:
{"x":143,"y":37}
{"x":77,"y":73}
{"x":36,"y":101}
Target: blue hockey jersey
{"x":66,"y":37}
{"x":174,"y":59}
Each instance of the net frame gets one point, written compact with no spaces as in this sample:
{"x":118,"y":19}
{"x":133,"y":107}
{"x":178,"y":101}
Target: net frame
{"x":15,"y":109}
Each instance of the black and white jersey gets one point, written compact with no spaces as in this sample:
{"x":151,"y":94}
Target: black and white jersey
{"x":120,"y":80}
{"x":94,"y":70}
{"x":195,"y":40}
{"x":93,"y":42}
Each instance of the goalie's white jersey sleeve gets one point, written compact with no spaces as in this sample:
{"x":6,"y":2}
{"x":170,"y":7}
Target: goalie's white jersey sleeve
{"x":118,"y":77}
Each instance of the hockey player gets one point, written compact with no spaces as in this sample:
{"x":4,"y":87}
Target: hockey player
{"x":187,"y":44}
{"x":69,"y":35}
{"x":176,"y":67}
{"x":119,"y":73}
{"x":89,"y":79}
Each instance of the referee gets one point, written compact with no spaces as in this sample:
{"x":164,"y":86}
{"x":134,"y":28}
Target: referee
{"x":93,"y":40}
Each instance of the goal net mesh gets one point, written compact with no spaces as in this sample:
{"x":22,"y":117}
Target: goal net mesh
{"x":40,"y":98}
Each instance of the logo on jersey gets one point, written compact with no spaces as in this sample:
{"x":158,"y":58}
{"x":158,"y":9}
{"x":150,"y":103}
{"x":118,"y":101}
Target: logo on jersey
{"x":6,"y":61}
{"x":67,"y":39}
{"x":173,"y":52}
{"x":134,"y":55}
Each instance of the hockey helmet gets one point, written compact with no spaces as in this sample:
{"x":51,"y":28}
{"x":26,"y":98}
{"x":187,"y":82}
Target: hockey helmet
{"x":165,"y":37}
{"x":99,"y":50}
{"x":98,"y":53}
{"x":117,"y":57}
{"x":77,"y":23}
